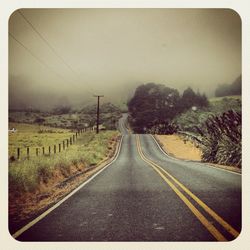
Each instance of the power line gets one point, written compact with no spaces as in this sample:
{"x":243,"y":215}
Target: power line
{"x":37,"y":58}
{"x":46,"y":41}
{"x":51,"y":47}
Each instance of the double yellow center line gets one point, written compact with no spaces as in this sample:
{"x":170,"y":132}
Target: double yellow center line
{"x":183,"y":193}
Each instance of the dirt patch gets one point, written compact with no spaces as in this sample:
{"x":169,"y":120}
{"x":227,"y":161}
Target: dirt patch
{"x":178,"y":147}
{"x":181,"y":148}
{"x":23,"y":207}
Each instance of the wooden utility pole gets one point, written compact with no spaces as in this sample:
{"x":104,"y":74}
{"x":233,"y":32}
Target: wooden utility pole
{"x":97,"y":112}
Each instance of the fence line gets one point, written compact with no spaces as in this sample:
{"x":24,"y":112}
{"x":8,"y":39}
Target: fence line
{"x":191,"y":136}
{"x":56,"y":148}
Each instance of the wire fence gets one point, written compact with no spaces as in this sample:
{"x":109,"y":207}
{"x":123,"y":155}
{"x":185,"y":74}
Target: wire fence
{"x":28,"y":152}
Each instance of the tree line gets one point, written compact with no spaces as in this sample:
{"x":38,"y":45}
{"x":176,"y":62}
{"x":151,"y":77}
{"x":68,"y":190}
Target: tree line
{"x":153,"y":106}
{"x":229,"y":89}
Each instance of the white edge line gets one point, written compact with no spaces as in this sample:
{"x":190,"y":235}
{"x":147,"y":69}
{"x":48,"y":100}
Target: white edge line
{"x":206,"y":164}
{"x":37,"y":219}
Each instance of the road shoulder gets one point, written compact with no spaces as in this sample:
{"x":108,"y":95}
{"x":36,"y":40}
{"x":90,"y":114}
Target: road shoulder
{"x":175,"y":146}
{"x":43,"y":200}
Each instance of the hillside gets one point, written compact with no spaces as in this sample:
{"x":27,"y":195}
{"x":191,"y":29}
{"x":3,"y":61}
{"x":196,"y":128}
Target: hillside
{"x":72,"y":119}
{"x":189,"y":120}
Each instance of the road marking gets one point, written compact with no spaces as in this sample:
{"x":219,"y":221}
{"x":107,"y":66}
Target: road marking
{"x":125,"y":127}
{"x":209,"y":226}
{"x":206,"y":164}
{"x":221,"y":221}
{"x":44,"y":214}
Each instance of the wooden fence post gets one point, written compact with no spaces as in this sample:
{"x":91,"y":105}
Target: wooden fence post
{"x":63,"y":145}
{"x":73,"y":138}
{"x":54,"y":149}
{"x":59,"y":147}
{"x":70,"y":141}
{"x":28,"y":152}
{"x":36,"y":151}
{"x":49,"y":150}
{"x":18,"y":153}
{"x":43,"y":151}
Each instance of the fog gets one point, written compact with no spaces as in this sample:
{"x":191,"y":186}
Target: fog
{"x":64,"y":56}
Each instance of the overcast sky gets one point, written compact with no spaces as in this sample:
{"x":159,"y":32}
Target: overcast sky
{"x":67,"y":55}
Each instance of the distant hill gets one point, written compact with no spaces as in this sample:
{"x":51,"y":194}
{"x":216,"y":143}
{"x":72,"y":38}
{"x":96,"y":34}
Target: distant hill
{"x":229,"y":89}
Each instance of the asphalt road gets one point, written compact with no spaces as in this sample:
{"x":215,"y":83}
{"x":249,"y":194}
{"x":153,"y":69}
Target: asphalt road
{"x":135,"y":199}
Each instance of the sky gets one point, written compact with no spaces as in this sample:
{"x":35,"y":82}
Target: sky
{"x":65,"y":56}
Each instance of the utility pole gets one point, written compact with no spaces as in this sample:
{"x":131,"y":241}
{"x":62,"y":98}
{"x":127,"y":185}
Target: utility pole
{"x":97,"y":112}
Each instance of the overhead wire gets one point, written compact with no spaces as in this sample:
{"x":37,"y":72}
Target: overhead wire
{"x":46,"y":41}
{"x":51,"y":48}
{"x":36,"y":57}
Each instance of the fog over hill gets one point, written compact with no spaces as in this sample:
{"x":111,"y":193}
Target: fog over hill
{"x":64,"y":56}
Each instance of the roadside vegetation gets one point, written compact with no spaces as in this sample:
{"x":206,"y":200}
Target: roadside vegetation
{"x":218,"y":128}
{"x":214,"y":125}
{"x":193,"y":120}
{"x":89,"y":150}
{"x":38,"y":180}
{"x":35,"y":129}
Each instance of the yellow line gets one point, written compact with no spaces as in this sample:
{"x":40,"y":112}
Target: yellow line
{"x":218,"y":236}
{"x":125,"y":127}
{"x":128,"y":128}
{"x":221,"y":221}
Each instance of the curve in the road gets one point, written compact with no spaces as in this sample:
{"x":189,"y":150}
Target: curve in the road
{"x":131,"y":201}
{"x":174,"y":184}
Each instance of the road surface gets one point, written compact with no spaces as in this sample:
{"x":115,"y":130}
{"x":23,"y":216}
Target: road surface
{"x":144,"y":195}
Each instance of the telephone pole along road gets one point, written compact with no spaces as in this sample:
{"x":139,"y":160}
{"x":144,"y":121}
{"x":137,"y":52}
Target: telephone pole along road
{"x":144,"y":195}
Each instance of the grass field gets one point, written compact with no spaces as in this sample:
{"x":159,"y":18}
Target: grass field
{"x":88,"y":150}
{"x":34,"y":136}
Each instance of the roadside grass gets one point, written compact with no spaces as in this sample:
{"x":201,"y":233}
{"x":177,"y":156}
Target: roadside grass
{"x":89,"y":150}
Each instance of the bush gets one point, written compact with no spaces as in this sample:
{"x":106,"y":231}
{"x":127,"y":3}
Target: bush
{"x":222,"y":139}
{"x":164,"y":129}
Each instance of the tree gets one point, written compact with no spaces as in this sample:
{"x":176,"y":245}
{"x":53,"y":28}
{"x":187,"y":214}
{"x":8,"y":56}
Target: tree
{"x":190,"y":98}
{"x":40,"y":121}
{"x":59,"y":110}
{"x":152,"y":104}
